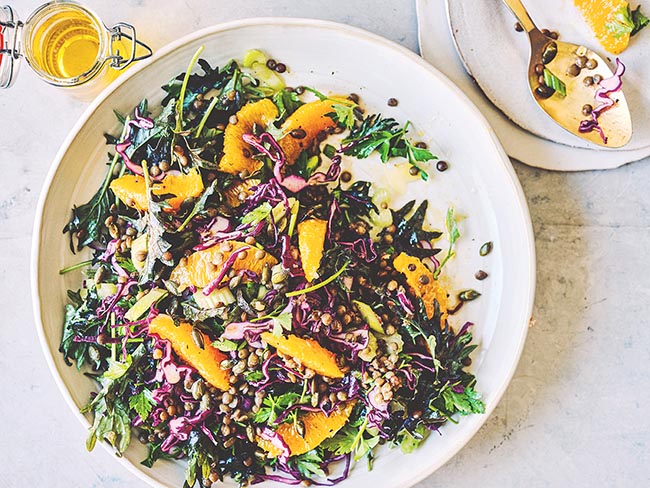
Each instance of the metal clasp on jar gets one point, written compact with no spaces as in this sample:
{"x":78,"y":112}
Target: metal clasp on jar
{"x":117,"y":32}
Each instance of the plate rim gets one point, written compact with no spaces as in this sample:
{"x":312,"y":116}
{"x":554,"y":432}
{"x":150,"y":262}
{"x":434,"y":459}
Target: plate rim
{"x":357,"y":33}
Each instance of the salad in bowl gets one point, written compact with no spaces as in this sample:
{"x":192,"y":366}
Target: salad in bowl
{"x":251,"y":307}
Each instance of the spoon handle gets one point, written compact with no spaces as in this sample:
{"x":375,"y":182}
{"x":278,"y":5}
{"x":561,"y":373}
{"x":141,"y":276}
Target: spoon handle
{"x":518,"y":9}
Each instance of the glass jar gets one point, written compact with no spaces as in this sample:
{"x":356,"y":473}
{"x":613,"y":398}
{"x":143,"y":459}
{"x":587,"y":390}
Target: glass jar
{"x":67,"y":45}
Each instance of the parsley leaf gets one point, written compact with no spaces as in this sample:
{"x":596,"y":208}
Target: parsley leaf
{"x":469,"y":401}
{"x":142,"y":403}
{"x":282,"y":321}
{"x":344,"y":114}
{"x":410,"y":442}
{"x":272,"y":406}
{"x":308,"y":464}
{"x":627,"y":21}
{"x":384,"y":135}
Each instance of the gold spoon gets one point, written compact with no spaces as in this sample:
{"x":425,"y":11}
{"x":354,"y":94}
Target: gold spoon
{"x":572,"y":64}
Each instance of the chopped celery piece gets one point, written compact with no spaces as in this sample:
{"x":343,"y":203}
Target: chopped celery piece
{"x":143,"y":305}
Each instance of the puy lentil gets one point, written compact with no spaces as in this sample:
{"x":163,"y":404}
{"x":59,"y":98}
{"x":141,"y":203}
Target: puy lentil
{"x":280,"y":67}
{"x":346,"y":176}
{"x":442,"y":166}
{"x":480,"y":275}
{"x":392,"y":102}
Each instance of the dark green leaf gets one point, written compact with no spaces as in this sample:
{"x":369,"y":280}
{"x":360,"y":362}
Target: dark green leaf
{"x":287,"y":102}
{"x":639,"y":20}
{"x":87,"y":222}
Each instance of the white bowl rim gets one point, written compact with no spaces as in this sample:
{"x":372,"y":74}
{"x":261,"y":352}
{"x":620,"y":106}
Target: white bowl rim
{"x":360,"y":34}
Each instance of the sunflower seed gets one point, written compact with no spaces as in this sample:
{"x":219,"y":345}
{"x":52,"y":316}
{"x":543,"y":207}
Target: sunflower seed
{"x":300,"y":428}
{"x":197,"y":337}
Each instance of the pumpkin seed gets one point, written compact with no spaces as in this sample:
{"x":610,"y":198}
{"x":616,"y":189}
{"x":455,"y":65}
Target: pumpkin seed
{"x":171,"y":287}
{"x":198,"y":389}
{"x":468,"y":295}
{"x":100,"y":274}
{"x":266,"y":273}
{"x":279,"y":275}
{"x":206,"y":402}
{"x":239,"y":367}
{"x":197,"y":337}
{"x":93,"y":354}
{"x":250,"y":433}
{"x":226,"y":364}
{"x":234,"y":282}
{"x":259,"y":305}
{"x":486,"y":248}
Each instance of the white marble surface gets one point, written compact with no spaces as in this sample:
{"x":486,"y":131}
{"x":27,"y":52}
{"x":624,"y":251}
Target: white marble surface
{"x":576,"y":413}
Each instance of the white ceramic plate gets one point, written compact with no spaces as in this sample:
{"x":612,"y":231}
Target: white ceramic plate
{"x":480,"y":184}
{"x":437,"y":47}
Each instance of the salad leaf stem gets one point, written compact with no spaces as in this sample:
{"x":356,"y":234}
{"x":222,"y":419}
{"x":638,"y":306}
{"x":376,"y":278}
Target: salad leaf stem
{"x":181,"y":97}
{"x":206,"y":115}
{"x":74,"y":267}
{"x":318,"y":285}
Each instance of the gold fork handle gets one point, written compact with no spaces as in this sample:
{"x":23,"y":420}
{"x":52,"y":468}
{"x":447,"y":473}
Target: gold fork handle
{"x":518,"y":9}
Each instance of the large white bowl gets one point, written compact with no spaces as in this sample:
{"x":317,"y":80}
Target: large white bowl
{"x":480,"y":184}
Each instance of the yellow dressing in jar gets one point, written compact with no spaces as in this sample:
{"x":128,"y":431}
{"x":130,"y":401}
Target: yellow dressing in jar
{"x":66,"y":44}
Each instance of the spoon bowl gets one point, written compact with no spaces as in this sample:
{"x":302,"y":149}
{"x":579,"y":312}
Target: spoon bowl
{"x":563,"y":79}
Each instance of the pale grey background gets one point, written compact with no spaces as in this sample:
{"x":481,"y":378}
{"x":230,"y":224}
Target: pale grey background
{"x":576,"y":413}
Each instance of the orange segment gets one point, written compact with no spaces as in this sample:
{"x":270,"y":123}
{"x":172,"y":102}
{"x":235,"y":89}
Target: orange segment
{"x":131,"y":189}
{"x":206,"y":361}
{"x":318,"y":427}
{"x":306,"y":351}
{"x":201,"y":267}
{"x":599,"y":14}
{"x":237,"y":157}
{"x":182,"y":185}
{"x":420,"y":279}
{"x":311,"y":242}
{"x":311,"y":118}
